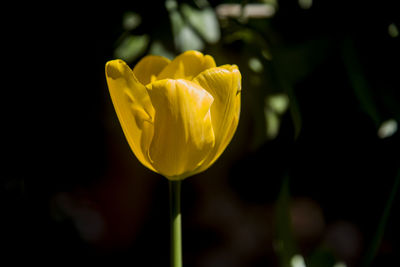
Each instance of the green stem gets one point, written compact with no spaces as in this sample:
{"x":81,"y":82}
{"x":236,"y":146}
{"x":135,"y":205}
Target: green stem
{"x":175,"y":223}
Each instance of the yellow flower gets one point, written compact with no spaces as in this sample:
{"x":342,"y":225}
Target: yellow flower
{"x":178,"y":116}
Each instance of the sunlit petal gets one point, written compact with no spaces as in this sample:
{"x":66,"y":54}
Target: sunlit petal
{"x":186,"y":66}
{"x":183,"y":133}
{"x":224,"y":84}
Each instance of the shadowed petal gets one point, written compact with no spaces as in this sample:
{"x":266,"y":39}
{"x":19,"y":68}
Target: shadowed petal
{"x":133,"y":107}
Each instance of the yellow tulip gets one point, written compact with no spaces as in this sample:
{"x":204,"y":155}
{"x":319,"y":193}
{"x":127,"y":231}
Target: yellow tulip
{"x":178,"y":116}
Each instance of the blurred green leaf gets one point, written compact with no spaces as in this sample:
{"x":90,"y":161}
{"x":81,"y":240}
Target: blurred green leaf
{"x":158,"y":49}
{"x":272,"y":122}
{"x":266,"y":53}
{"x":297,"y":261}
{"x":131,"y":47}
{"x":294,"y":110}
{"x":377,"y":238}
{"x":321,"y":257}
{"x":204,"y":21}
{"x":275,"y":106}
{"x":297,"y":61}
{"x":293,"y":104}
{"x":278,"y":103}
{"x":131,"y":20}
{"x":251,"y":37}
{"x":359,"y":82}
{"x":255,"y":65}
{"x":305,"y":4}
{"x":292,"y":64}
{"x":187,"y":39}
{"x":285,"y":246}
{"x":393,"y":31}
{"x":387,"y":128}
{"x":184,"y":36}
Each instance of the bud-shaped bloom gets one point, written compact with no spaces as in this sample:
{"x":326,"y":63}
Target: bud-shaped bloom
{"x":178,"y":116}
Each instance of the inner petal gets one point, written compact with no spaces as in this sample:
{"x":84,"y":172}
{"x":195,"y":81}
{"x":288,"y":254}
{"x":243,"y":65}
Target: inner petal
{"x":183,"y":133}
{"x":187,"y":66}
{"x":149,"y":67}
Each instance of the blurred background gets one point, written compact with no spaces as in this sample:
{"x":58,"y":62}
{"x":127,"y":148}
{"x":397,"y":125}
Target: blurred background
{"x":309,"y":179}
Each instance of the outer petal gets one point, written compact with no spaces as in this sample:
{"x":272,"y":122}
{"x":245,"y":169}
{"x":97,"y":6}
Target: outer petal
{"x":149,"y":67}
{"x":187,"y":66}
{"x":183,"y":133}
{"x":224,"y":84}
{"x":133,"y":106}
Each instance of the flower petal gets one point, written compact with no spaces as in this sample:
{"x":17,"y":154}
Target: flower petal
{"x":183,"y":133}
{"x":133,"y":106}
{"x":187,"y":66}
{"x":224,"y":84}
{"x":147,"y":69}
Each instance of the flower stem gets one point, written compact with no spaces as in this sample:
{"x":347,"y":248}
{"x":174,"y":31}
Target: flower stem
{"x":175,"y":223}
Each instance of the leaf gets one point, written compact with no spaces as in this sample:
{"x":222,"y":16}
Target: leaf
{"x":184,"y":36}
{"x":204,"y":21}
{"x":361,"y":87}
{"x":294,"y":110}
{"x":380,"y":231}
{"x":255,"y":65}
{"x":297,"y":61}
{"x":252,"y":38}
{"x":275,"y":106}
{"x":158,"y":49}
{"x":321,"y":257}
{"x":131,"y":47}
{"x":131,"y":20}
{"x":285,"y":243}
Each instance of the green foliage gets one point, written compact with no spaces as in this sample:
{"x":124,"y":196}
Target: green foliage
{"x":321,"y":257}
{"x":380,"y":230}
{"x":204,"y":21}
{"x":131,"y":47}
{"x":185,"y":37}
{"x":285,"y":244}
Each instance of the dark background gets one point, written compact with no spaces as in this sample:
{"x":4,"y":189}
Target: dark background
{"x":72,"y":191}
